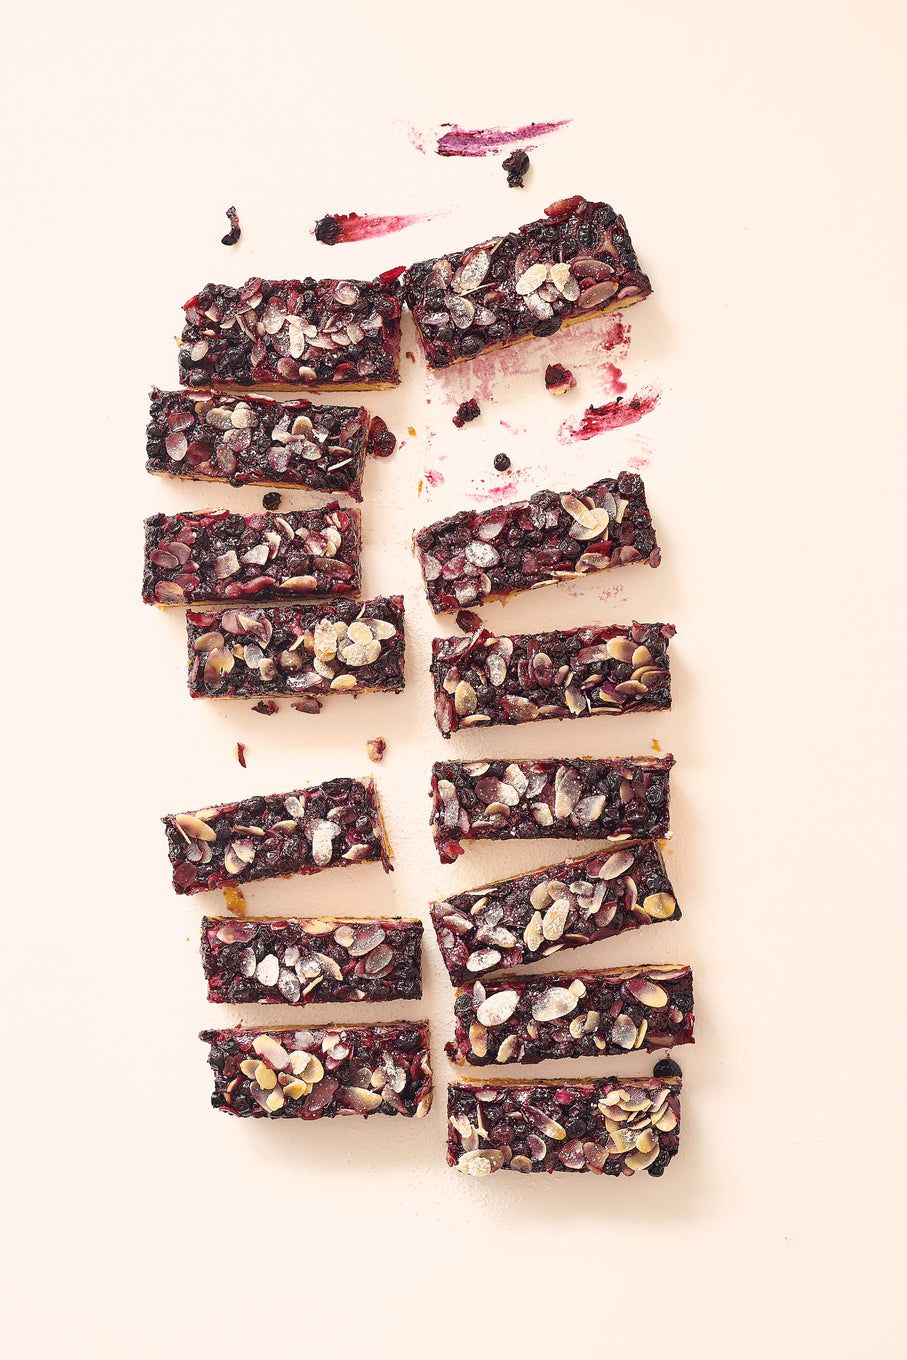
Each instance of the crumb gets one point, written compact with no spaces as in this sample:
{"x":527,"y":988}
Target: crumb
{"x":558,"y":379}
{"x":410,"y":431}
{"x":327,"y":229}
{"x":234,"y":901}
{"x":502,"y":462}
{"x":655,"y":746}
{"x":410,"y":356}
{"x":516,"y":165}
{"x":307,"y":704}
{"x":375,"y":749}
{"x":235,"y":231}
{"x":466,"y":411}
{"x":265,"y":706}
{"x":468,"y":622}
{"x":419,"y":490}
{"x":239,"y":751}
{"x":381,"y":441}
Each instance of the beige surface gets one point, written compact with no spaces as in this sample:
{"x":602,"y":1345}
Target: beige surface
{"x":754,"y":153}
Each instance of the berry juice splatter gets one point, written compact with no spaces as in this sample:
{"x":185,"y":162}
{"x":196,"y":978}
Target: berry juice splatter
{"x":451,"y":140}
{"x":337,"y":228}
{"x":612,"y":416}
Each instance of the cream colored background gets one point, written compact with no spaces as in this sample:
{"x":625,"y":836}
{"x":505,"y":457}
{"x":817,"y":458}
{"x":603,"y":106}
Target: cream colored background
{"x":755,"y":152}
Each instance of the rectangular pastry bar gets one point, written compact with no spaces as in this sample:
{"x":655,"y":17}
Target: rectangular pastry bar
{"x":252,"y":441}
{"x":324,"y":826}
{"x":563,"y":906}
{"x":572,"y":1015}
{"x":320,"y":1073}
{"x":301,"y":960}
{"x":574,"y":263}
{"x":215,"y":557}
{"x":288,"y":333}
{"x":480,"y":555}
{"x":611,"y":1125}
{"x":339,"y":647}
{"x":580,"y":799}
{"x":486,"y":680}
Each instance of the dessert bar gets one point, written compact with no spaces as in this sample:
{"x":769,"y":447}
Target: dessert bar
{"x":563,"y":906}
{"x":324,"y":826}
{"x":574,"y":263}
{"x":485,"y":680}
{"x":572,"y":1015}
{"x":286,"y":333}
{"x":495,"y":800}
{"x":339,"y":647}
{"x":480,"y":555}
{"x":300,"y":960}
{"x":212,"y":437}
{"x":320,"y":1073}
{"x":611,"y":1125}
{"x":214,"y":556}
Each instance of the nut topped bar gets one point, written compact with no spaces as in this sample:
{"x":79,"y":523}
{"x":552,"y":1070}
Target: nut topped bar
{"x":203,"y":436}
{"x":574,"y":263}
{"x":324,"y":826}
{"x":341,"y":647}
{"x":286,"y":333}
{"x":320,"y":1073}
{"x":301,"y":960}
{"x":563,"y":906}
{"x":613,"y":1126}
{"x":480,"y":555}
{"x":572,"y":1015}
{"x":485,"y":680}
{"x":213,"y":557}
{"x":579,"y":798}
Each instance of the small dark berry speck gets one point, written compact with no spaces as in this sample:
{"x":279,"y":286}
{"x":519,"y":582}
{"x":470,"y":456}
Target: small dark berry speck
{"x":327,"y":229}
{"x":271,"y":501}
{"x":265,"y":706}
{"x":667,"y":1067}
{"x":502,"y":462}
{"x":558,"y":379}
{"x":466,"y":411}
{"x":235,"y":231}
{"x":516,"y":165}
{"x":240,"y":754}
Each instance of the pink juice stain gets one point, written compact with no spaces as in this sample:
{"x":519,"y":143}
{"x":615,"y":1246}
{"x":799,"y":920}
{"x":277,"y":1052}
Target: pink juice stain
{"x":365,"y":226}
{"x":613,"y":415}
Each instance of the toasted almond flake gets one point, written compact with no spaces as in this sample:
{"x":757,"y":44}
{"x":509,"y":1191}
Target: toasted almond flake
{"x":497,"y":1008}
{"x":534,"y":934}
{"x":615,"y":865}
{"x":647,"y":993}
{"x":553,"y":1004}
{"x":274,"y":1053}
{"x":659,"y":905}
{"x":623,"y":1032}
{"x":555,"y":919}
{"x":195,"y":827}
{"x":531,"y":279}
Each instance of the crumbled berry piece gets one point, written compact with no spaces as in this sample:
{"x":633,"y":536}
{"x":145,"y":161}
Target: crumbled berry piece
{"x":381,"y":441}
{"x":266,"y":706}
{"x":235,"y":231}
{"x":239,"y":751}
{"x":558,"y":379}
{"x":466,"y":411}
{"x":516,"y":165}
{"x":307,"y":704}
{"x":502,"y":462}
{"x":327,"y":229}
{"x":468,"y":621}
{"x":375,"y":749}
{"x":271,"y":501}
{"x":667,"y":1067}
